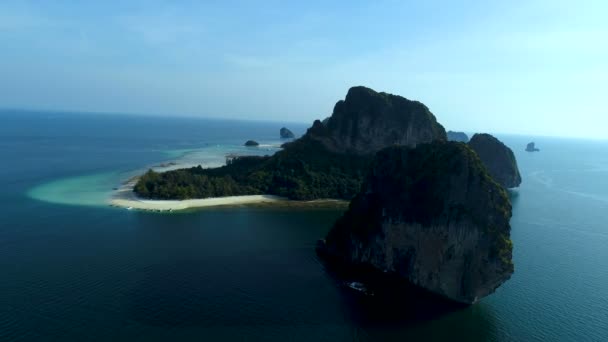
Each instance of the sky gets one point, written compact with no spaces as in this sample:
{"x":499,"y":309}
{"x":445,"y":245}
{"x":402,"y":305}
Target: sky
{"x":535,"y":67}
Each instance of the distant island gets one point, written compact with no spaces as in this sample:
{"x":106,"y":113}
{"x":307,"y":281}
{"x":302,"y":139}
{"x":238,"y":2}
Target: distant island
{"x":458,"y":136}
{"x":286,"y":133}
{"x":498,"y":159}
{"x":252,"y":143}
{"x":531,"y":147}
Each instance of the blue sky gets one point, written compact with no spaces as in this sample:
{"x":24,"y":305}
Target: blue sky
{"x":528,"y":67}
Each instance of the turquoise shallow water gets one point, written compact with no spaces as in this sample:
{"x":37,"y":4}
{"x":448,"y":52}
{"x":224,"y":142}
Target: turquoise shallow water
{"x":96,"y":189}
{"x":75,"y":269}
{"x":92,"y":189}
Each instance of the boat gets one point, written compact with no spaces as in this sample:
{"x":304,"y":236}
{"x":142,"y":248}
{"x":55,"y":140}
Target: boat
{"x":358,"y":287}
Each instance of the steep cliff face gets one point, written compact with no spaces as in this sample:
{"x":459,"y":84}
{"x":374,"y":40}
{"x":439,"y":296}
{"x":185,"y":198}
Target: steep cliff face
{"x":367,"y":121}
{"x":458,"y":136}
{"x":433,"y":216}
{"x":498,"y":158}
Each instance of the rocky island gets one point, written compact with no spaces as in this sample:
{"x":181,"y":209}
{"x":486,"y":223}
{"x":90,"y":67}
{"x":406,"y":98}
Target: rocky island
{"x":252,"y":143}
{"x":433,"y":216}
{"x":498,"y":158}
{"x":367,"y":121}
{"x":286,"y":133}
{"x":458,"y":136}
{"x":531,"y":147}
{"x":329,"y":161}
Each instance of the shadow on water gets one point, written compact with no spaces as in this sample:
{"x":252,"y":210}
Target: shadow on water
{"x":393,"y":301}
{"x":262,"y":288}
{"x":283,"y":288}
{"x":254,"y":276}
{"x":513,"y":196}
{"x":397,"y":309}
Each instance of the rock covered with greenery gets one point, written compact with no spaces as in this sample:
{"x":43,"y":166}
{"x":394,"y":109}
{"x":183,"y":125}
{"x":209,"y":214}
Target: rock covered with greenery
{"x":431,"y":215}
{"x":329,"y":161}
{"x":286,"y":133}
{"x":252,"y":143}
{"x":498,"y":158}
{"x":367,"y":121}
{"x":458,"y":136}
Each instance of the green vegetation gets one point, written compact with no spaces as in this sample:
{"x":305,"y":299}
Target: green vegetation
{"x":304,"y":170}
{"x":329,"y":161}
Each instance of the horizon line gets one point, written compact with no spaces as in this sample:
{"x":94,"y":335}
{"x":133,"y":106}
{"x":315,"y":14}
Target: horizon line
{"x":205,"y":117}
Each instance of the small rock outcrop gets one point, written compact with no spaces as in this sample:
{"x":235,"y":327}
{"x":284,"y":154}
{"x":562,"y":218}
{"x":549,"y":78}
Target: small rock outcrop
{"x":431,"y":215}
{"x":252,"y":143}
{"x":286,"y":133}
{"x":458,"y":136}
{"x":498,"y":159}
{"x":531,"y":147}
{"x":367,"y":121}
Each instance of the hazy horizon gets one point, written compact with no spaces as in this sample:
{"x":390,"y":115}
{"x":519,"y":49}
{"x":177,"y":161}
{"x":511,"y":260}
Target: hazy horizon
{"x":523,"y":67}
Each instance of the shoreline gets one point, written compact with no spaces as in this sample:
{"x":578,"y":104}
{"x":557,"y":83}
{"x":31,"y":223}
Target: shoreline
{"x":124,"y":197}
{"x":171,"y":205}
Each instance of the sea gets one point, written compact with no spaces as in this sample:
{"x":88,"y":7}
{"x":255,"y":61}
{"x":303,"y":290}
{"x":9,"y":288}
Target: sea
{"x":72,"y":268}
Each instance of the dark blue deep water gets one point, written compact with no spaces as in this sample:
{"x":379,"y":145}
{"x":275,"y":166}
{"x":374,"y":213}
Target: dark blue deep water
{"x":94,"y":273}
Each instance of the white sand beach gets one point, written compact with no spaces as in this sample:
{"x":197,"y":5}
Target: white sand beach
{"x":126,"y":198}
{"x":163,"y":205}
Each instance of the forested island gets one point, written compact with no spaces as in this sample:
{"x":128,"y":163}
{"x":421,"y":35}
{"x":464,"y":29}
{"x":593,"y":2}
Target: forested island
{"x":329,"y":161}
{"x":304,"y":170}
